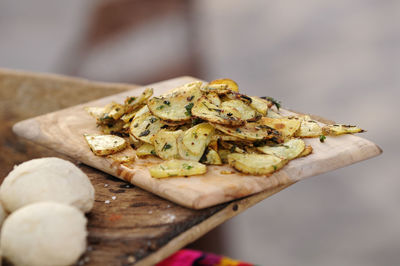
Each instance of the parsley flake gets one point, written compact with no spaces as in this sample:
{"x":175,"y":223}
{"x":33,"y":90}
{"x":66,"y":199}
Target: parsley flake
{"x":166,"y":147}
{"x":189,"y":109}
{"x":186,"y":166}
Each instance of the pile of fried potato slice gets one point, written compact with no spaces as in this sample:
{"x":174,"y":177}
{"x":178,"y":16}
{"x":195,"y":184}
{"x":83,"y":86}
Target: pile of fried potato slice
{"x":207,"y":124}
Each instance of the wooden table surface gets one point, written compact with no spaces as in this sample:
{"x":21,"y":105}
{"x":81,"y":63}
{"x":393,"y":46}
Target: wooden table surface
{"x":137,"y":227}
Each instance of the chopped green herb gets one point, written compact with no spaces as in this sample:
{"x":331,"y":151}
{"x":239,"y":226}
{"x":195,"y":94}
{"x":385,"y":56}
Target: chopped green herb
{"x":131,"y":99}
{"x":190,"y":98}
{"x":153,"y":152}
{"x":144,"y":133}
{"x":274,"y":102}
{"x":322,"y":138}
{"x":238,"y":130}
{"x":167,"y":103}
{"x":186,"y":166}
{"x":189,"y":109}
{"x":160,"y":107}
{"x":152,"y":119}
{"x":105,"y":117}
{"x":274,"y":166}
{"x":166,"y":147}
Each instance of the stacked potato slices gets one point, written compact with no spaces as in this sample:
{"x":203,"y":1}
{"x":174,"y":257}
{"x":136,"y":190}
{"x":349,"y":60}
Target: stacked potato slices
{"x":209,"y":124}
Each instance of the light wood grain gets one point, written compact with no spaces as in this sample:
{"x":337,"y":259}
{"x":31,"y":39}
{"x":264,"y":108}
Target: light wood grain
{"x":63,"y":131}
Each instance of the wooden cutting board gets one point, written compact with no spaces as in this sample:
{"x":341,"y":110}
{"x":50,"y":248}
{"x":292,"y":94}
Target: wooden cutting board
{"x":63,"y":131}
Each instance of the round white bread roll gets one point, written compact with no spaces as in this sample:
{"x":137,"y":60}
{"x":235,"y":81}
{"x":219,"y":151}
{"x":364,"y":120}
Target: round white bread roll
{"x":47,"y":179}
{"x":44,"y":233}
{"x":3,"y":215}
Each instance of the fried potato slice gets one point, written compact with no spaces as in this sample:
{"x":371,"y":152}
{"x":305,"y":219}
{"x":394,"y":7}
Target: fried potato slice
{"x":134,"y":141}
{"x":105,"y":144}
{"x":142,"y":111}
{"x":145,"y":127}
{"x":308,"y":128}
{"x":112,"y":128}
{"x":112,"y":111}
{"x":233,"y":95}
{"x":197,"y":138}
{"x":214,"y":98}
{"x":287,"y":126}
{"x":183,"y":88}
{"x":246,"y":112}
{"x":255,"y":164}
{"x":211,"y":157}
{"x":222,"y":136}
{"x":187,"y":154}
{"x":176,"y":106}
{"x":336,"y":130}
{"x":288,"y":150}
{"x":208,"y":111}
{"x":128,"y":116}
{"x":145,"y":149}
{"x":133,"y":103}
{"x":251,"y":131}
{"x":273,"y":114}
{"x":307,"y":151}
{"x":177,"y":168}
{"x":260,"y":105}
{"x":231,"y":85}
{"x":165,"y":144}
{"x":218,"y":89}
{"x":95,"y":112}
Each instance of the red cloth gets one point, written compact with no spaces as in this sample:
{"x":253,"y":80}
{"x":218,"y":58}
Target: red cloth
{"x":187,"y":257}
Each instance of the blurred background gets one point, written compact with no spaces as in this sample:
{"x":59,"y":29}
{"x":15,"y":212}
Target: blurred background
{"x":338,"y":59}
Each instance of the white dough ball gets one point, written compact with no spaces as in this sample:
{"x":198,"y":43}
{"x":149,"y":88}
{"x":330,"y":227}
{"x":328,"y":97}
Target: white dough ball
{"x":44,"y":233}
{"x":47,"y":179}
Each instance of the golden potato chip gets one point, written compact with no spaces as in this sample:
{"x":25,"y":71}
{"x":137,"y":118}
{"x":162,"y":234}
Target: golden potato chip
{"x":231,"y":85}
{"x":288,"y":150}
{"x":246,"y":112}
{"x":205,"y":110}
{"x":251,"y":131}
{"x":287,"y":126}
{"x":105,"y":144}
{"x":197,"y":138}
{"x":255,"y":164}
{"x":211,"y":157}
{"x":308,"y":128}
{"x":145,"y":127}
{"x":132,"y":103}
{"x":176,"y":167}
{"x":146,"y":149}
{"x":176,"y":106}
{"x":165,"y":144}
{"x":260,"y":105}
{"x":336,"y":130}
